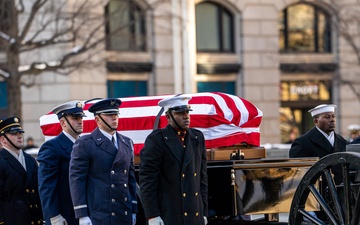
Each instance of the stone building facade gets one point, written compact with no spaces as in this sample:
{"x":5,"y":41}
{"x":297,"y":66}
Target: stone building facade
{"x":285,"y":56}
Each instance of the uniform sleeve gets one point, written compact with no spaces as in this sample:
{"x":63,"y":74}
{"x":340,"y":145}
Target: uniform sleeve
{"x":49,"y":159}
{"x":2,"y":183}
{"x":204,"y":178}
{"x":297,"y":150}
{"x":150,"y":166}
{"x":132,"y":182}
{"x":78,"y":170}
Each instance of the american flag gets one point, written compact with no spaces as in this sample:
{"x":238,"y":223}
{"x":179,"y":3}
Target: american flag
{"x":224,"y":119}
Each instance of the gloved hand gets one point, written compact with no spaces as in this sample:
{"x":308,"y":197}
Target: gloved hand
{"x":156,"y":221}
{"x":85,"y":221}
{"x":133,"y":219}
{"x":58,"y":220}
{"x":205,"y":220}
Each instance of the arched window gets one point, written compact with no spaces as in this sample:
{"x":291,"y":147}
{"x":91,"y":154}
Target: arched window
{"x":304,"y":28}
{"x":214,"y":28}
{"x":125,"y":26}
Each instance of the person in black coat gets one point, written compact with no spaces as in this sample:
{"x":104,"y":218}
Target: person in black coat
{"x":19,"y":198}
{"x":102,"y":171}
{"x":173,"y":172}
{"x":356,"y":141}
{"x":54,"y":158}
{"x":322,"y":139}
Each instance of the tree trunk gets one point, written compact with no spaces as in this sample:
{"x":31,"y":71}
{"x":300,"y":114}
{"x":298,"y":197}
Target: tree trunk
{"x":13,"y":62}
{"x":14,"y":88}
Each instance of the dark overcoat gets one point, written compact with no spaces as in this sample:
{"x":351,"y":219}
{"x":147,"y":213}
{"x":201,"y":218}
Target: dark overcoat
{"x":54,"y":189}
{"x":356,"y":141}
{"x":314,"y":144}
{"x":19,"y":197}
{"x":173,"y":179}
{"x":102,"y":179}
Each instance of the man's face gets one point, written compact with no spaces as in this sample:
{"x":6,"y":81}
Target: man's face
{"x":75,"y":121}
{"x":111,"y":119}
{"x":326,"y":122}
{"x":16,"y":138}
{"x":182,"y":119}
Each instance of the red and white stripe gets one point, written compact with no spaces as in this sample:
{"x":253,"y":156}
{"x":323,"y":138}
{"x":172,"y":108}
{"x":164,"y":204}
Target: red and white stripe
{"x":224,"y":119}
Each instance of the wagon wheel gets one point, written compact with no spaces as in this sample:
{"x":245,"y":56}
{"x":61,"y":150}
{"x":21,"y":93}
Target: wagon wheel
{"x":339,"y":203}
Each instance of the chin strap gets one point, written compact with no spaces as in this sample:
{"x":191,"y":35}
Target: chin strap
{"x":11,"y":142}
{"x":71,"y":126}
{"x":172,"y":117}
{"x":106,"y":123}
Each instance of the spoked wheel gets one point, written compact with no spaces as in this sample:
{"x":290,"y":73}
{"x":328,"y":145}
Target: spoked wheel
{"x":339,"y":204}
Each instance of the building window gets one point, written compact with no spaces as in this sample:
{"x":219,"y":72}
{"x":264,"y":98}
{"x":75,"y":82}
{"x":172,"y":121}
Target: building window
{"x":3,"y":95}
{"x":125,"y":27}
{"x":121,"y":89}
{"x":214,"y":28}
{"x":226,"y":87}
{"x":304,"y":28}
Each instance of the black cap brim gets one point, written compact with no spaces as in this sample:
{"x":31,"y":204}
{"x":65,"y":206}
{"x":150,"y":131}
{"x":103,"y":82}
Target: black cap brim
{"x":182,"y":108}
{"x":14,"y":130}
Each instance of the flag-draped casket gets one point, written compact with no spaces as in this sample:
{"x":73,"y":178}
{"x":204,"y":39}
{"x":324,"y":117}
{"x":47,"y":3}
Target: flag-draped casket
{"x":224,"y":119}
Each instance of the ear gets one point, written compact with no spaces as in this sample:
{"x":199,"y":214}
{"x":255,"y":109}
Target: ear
{"x":62,"y":122}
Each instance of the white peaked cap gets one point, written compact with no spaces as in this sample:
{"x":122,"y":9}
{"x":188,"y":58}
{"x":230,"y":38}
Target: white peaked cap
{"x":322,"y":109}
{"x":354,"y":127}
{"x":179,"y":103}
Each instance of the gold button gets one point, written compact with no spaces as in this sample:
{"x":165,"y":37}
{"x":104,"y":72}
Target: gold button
{"x":39,"y":222}
{"x":125,"y":185}
{"x":196,"y":194}
{"x":33,"y":191}
{"x":197,"y":214}
{"x":27,"y":190}
{"x":30,"y":206}
{"x":183,"y":175}
{"x":185,"y":213}
{"x":195,"y":174}
{"x":184,"y":195}
{"x":32,"y":222}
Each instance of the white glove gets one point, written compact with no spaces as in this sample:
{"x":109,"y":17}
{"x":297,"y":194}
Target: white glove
{"x":85,"y":221}
{"x":156,"y":221}
{"x":58,"y":220}
{"x":205,"y":220}
{"x":133,"y":219}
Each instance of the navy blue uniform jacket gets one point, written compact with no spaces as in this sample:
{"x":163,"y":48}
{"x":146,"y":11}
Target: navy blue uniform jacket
{"x":19,"y":197}
{"x":314,"y":144}
{"x":102,"y":179}
{"x":54,"y":158}
{"x":173,"y":179}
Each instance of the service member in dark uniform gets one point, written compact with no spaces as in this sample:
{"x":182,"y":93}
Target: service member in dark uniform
{"x":322,"y":139}
{"x":102,"y":175}
{"x":173,"y":173}
{"x":19,"y":198}
{"x":54,"y":158}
